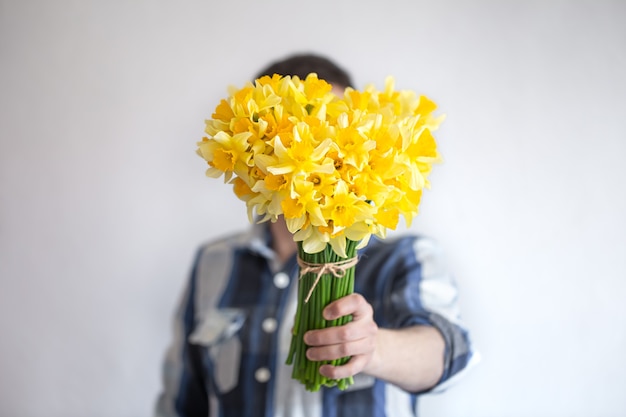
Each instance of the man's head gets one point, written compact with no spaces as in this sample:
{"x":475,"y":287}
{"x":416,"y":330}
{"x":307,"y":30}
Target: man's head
{"x":304,"y":64}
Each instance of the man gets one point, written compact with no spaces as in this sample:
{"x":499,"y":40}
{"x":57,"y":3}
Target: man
{"x":233,"y":326}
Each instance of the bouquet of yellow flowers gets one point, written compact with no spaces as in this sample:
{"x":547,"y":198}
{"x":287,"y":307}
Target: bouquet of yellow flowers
{"x":338,"y":169}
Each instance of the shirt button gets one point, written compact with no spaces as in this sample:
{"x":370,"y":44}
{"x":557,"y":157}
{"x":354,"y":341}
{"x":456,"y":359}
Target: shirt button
{"x":262,"y":375}
{"x":269,"y":325}
{"x":281,"y":280}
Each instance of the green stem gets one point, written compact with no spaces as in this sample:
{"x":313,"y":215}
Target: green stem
{"x":309,"y":316}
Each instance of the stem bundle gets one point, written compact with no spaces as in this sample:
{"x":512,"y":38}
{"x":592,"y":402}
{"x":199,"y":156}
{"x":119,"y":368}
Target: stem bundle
{"x":309,"y":316}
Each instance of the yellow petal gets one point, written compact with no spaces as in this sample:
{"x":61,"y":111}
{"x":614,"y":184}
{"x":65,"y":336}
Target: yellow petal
{"x":339,"y":245}
{"x":313,"y":245}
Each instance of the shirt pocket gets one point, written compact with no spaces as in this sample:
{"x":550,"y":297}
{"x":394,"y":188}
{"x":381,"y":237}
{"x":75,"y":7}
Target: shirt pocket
{"x":217,"y":332}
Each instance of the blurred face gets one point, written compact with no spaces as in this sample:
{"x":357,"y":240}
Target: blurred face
{"x":338,"y":90}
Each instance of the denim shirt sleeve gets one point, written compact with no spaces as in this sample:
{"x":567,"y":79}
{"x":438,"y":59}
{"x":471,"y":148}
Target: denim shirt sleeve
{"x":184,"y":391}
{"x":408,"y":283}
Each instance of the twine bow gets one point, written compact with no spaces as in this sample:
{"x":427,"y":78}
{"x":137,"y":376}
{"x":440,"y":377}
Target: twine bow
{"x":337,"y":269}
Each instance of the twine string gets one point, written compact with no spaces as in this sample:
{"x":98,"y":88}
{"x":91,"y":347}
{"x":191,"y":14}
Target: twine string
{"x":337,"y":269}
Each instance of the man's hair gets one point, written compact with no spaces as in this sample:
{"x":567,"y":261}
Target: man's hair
{"x":304,"y":64}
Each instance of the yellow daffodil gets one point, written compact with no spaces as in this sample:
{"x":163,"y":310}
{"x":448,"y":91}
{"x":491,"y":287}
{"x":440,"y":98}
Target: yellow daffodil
{"x":345,"y":208}
{"x":338,"y":169}
{"x":304,"y":156}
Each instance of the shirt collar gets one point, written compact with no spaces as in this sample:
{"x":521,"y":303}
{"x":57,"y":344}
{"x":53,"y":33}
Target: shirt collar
{"x":260,"y":240}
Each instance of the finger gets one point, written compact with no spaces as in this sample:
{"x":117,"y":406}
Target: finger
{"x":354,"y":304}
{"x":352,"y":331}
{"x":355,"y":365}
{"x":341,"y":350}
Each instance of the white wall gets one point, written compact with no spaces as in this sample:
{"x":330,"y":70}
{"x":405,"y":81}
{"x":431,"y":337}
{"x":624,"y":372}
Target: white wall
{"x":103,"y":201}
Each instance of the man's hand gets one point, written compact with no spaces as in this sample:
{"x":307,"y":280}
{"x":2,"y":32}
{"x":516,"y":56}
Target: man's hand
{"x":411,"y":357}
{"x":356,"y":338}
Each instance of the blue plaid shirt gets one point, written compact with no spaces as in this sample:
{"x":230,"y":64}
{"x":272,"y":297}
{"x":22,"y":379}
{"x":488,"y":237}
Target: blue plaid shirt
{"x":232,"y":331}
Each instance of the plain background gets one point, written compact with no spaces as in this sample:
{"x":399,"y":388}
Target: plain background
{"x":103,"y":200}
